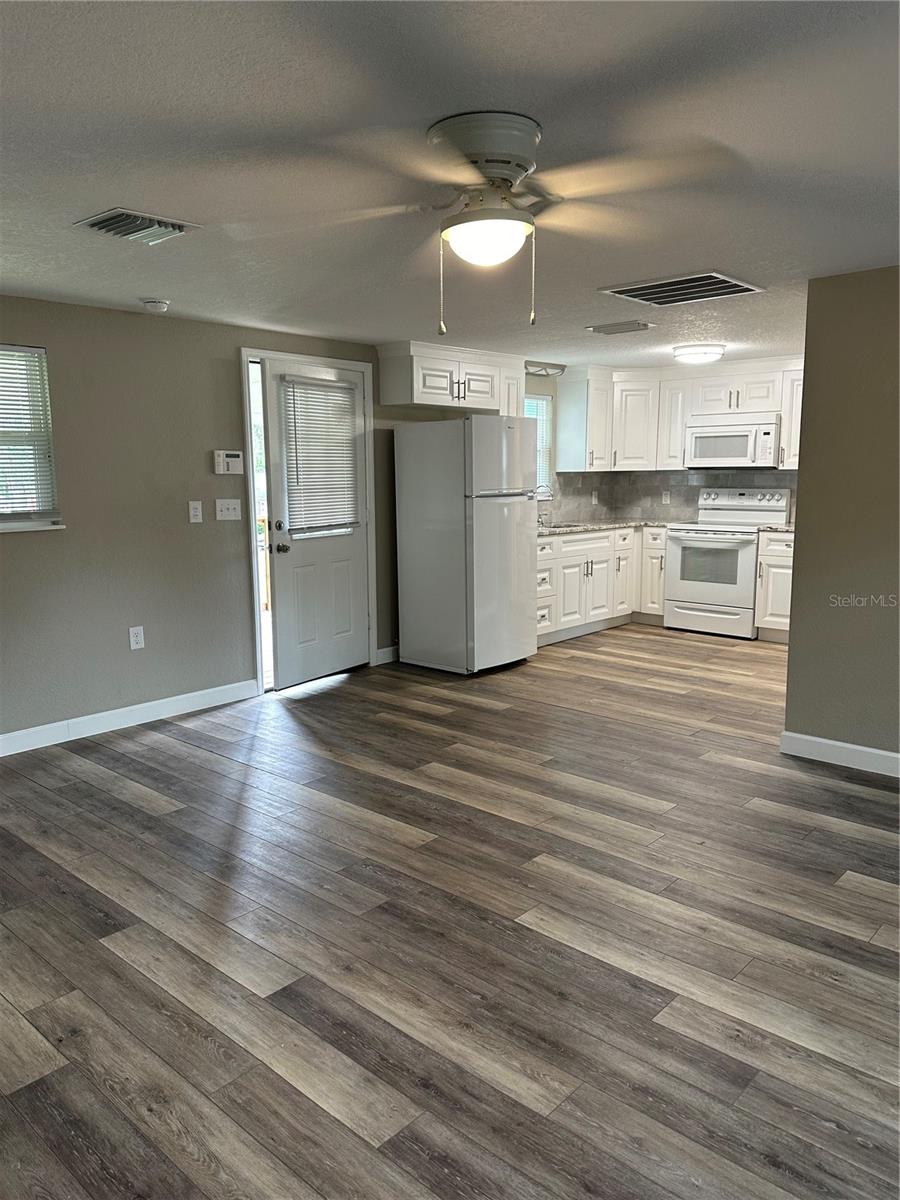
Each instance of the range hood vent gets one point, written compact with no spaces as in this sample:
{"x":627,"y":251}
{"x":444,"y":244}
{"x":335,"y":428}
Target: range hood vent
{"x":135,"y":226}
{"x":688,"y":289}
{"x":620,"y":327}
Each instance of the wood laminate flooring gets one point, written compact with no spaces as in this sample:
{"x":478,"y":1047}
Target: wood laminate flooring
{"x":573,"y":929}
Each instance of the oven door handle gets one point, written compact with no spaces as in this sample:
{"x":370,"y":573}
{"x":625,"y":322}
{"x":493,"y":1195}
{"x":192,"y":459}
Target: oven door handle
{"x":711,"y":541}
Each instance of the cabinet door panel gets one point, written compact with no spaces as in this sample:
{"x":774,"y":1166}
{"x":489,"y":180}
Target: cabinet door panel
{"x":673,"y":405}
{"x":773,"y":594}
{"x":652,"y":578}
{"x":791,"y":404}
{"x":599,"y":585}
{"x":570,"y":592}
{"x":435,"y":380}
{"x":599,"y":426}
{"x":635,"y":426}
{"x":622,"y":583}
{"x":512,"y":393}
{"x":758,"y":393}
{"x":711,"y":395}
{"x":480,"y":386}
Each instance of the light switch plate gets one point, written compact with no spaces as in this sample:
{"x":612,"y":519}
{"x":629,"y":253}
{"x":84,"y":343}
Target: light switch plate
{"x":195,"y":512}
{"x":228,"y":510}
{"x":136,"y":637}
{"x":667,"y":497}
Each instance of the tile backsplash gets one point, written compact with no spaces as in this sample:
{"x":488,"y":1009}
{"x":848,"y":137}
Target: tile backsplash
{"x":623,"y":495}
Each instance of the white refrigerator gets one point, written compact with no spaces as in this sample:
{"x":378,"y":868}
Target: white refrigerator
{"x":466,"y":541}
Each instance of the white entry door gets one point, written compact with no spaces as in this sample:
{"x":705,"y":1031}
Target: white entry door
{"x":317,"y":507}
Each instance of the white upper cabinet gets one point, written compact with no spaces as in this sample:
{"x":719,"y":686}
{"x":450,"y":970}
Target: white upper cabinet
{"x":479,"y":385}
{"x":791,"y":403}
{"x":512,"y":392}
{"x":584,"y":420}
{"x":736,"y":393}
{"x":449,"y":376}
{"x":635,"y":426}
{"x":434,"y":380}
{"x":673,"y":407}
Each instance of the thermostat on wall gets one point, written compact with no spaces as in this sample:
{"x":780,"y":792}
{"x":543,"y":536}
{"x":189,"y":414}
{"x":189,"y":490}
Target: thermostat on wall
{"x":228,"y":462}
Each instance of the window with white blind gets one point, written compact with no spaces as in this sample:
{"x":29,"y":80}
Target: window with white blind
{"x":541,"y":407}
{"x":323,"y":428}
{"x":27,"y":472}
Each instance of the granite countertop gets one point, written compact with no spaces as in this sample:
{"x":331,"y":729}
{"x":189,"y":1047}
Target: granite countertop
{"x":597,"y":526}
{"x":594,"y":527}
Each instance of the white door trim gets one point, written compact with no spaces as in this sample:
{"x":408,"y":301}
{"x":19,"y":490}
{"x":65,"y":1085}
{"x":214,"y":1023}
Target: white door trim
{"x":341,"y":364}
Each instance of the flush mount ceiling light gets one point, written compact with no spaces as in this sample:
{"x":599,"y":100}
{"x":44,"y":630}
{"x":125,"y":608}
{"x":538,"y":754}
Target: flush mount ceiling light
{"x":699,"y":352}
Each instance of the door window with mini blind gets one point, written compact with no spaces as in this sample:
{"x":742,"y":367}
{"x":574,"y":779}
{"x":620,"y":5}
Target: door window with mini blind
{"x":541,"y":408}
{"x":27,"y":470}
{"x":322,"y":435}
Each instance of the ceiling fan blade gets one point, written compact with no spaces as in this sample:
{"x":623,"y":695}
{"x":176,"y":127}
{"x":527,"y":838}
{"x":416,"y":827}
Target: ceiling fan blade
{"x":582,"y":219}
{"x":406,"y":151}
{"x":251,"y":231}
{"x":687,"y":162}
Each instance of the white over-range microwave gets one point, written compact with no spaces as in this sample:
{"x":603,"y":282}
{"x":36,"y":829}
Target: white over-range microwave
{"x":718,"y":440}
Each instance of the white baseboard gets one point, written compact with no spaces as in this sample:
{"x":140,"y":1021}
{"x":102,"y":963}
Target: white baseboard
{"x":387,"y":654}
{"x":121,"y":718}
{"x":842,"y":754}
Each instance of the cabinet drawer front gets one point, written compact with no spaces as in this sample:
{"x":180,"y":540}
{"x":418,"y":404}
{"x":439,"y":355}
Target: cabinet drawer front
{"x":546,"y":580}
{"x":624,"y":539}
{"x":780,"y":544}
{"x":546,"y":616}
{"x":547,"y":548}
{"x":586,"y":543}
{"x":654,"y":537}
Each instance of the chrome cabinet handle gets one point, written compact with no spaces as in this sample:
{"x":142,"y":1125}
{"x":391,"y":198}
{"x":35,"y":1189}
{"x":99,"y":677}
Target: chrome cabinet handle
{"x":615,"y":456}
{"x":282,"y":548}
{"x":662,"y":559}
{"x":729,"y":398}
{"x":618,"y":562}
{"x":759,"y":571}
{"x":737,"y":399}
{"x":590,"y":458}
{"x":781,"y":457}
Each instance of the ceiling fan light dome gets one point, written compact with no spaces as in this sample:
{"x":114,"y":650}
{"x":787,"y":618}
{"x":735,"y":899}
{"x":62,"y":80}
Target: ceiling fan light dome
{"x":699,"y":352}
{"x":488,"y":237}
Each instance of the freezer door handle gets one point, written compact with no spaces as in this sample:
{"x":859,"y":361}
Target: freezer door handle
{"x":510,"y":493}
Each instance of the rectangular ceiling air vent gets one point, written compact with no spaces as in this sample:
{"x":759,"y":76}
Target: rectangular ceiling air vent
{"x":136,"y":227}
{"x":688,"y":289}
{"x":620,"y":327}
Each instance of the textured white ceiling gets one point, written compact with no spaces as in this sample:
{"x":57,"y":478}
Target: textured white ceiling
{"x":223,"y":115}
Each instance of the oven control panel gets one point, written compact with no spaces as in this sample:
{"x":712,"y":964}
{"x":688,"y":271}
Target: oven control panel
{"x":746,"y":498}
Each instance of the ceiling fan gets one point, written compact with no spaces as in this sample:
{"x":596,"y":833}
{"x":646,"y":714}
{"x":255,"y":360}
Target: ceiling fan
{"x":499,"y":198}
{"x":489,"y":159}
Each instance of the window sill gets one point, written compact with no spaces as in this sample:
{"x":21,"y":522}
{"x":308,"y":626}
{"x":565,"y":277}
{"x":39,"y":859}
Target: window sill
{"x":28,"y":526}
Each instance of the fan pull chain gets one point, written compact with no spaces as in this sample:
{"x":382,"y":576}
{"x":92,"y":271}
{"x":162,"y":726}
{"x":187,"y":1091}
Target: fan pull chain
{"x":442,"y":328}
{"x":533,"y":240}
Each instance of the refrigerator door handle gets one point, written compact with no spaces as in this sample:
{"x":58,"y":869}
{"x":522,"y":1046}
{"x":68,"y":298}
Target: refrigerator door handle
{"x":509,"y":493}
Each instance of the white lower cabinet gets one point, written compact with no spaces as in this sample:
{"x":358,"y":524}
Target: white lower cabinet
{"x":623,"y":583}
{"x":599,"y":587}
{"x":571,"y":597}
{"x":773,"y":593}
{"x":653,"y":572}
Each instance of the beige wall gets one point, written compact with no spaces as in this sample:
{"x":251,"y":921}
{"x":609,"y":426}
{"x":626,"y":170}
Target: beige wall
{"x":138,"y":404}
{"x":843,"y":663}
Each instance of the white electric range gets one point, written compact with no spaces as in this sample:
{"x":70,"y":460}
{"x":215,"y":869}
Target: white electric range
{"x":711,"y":566}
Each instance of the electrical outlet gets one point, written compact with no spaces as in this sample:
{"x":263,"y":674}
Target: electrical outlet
{"x":195,"y":512}
{"x":595,"y":497}
{"x":667,"y":497}
{"x":136,"y":637}
{"x":228,"y":510}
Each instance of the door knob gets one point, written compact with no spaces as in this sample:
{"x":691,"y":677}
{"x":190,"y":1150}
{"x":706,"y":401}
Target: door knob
{"x":279,"y":525}
{"x":282,"y":548}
